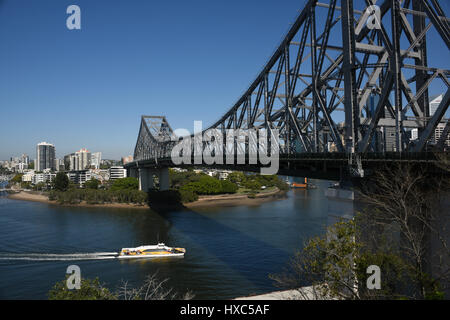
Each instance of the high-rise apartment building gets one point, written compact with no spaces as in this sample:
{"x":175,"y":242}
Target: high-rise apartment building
{"x":96,"y":158}
{"x":83,"y":159}
{"x":69,"y":160}
{"x":79,"y":160}
{"x":25,"y":159}
{"x":45,"y":156}
{"x":434,"y":104}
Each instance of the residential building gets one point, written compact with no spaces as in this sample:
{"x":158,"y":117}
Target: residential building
{"x":69,"y":160}
{"x":100,"y":174}
{"x":79,"y":176}
{"x":20,"y":167}
{"x":438,"y":133}
{"x":117,"y":172}
{"x":414,"y":134}
{"x":434,"y":104}
{"x":43,"y":177}
{"x":83,"y":159}
{"x":25,"y":159}
{"x":96,"y":158}
{"x":80,"y":160}
{"x":110,"y":163}
{"x":127,"y":159}
{"x":45,"y":153}
{"x":223,"y":174}
{"x":28,"y":176}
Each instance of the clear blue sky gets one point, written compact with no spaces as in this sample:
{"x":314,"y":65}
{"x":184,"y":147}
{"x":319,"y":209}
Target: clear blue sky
{"x":187,"y":60}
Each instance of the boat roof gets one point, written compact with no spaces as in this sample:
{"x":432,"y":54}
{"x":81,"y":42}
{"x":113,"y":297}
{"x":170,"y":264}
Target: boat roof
{"x":159,"y":245}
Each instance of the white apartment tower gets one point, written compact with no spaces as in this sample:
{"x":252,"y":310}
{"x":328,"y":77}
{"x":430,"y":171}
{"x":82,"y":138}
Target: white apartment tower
{"x":45,"y":156}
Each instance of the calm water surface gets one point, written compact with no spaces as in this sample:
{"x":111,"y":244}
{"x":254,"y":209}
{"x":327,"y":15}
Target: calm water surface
{"x":230,"y":250}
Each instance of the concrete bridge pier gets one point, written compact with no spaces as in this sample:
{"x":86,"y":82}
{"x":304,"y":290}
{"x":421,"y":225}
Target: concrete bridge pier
{"x":163,"y":175}
{"x":146,"y":178}
{"x":133,"y":172}
{"x":341,"y":203}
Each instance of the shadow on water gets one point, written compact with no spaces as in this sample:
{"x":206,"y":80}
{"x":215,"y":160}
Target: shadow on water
{"x":220,"y":241}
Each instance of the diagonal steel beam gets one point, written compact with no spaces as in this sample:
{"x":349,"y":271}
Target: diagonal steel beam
{"x":437,"y":116}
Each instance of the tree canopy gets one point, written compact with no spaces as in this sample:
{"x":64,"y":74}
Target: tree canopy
{"x":128,"y":183}
{"x":61,"y":182}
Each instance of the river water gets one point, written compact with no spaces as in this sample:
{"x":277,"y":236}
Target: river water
{"x":230,"y":250}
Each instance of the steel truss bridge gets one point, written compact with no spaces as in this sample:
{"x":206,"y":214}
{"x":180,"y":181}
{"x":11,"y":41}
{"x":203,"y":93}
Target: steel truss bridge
{"x":343,"y":89}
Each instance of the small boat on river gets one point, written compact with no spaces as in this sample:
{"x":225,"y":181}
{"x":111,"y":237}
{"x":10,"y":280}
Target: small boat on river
{"x":305,"y":185}
{"x":152,"y":251}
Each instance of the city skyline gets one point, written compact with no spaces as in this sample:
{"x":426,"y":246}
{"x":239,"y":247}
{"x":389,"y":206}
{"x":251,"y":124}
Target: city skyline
{"x":33,"y":155}
{"x":89,"y":87}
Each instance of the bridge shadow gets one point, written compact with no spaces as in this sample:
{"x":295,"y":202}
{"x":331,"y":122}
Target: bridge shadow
{"x":247,"y":256}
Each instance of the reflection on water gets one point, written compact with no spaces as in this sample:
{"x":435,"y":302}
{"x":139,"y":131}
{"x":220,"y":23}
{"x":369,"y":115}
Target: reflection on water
{"x":230,"y":251}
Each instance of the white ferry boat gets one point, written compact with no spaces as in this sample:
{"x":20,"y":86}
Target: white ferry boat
{"x":154,"y":251}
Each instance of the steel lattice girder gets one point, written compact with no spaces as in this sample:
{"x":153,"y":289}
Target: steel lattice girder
{"x":325,"y":73}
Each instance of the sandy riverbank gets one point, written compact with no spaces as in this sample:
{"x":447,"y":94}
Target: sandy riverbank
{"x":203,"y":201}
{"x":236,"y":199}
{"x":27,"y":196}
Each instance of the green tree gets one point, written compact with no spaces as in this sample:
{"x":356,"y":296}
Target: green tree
{"x":89,"y":290}
{"x":17,"y":178}
{"x":92,"y":184}
{"x":129,"y":183}
{"x":187,"y":195}
{"x":252,"y":184}
{"x":228,"y":186}
{"x":179,"y":179}
{"x":61,"y":182}
{"x":153,"y":288}
{"x":334,"y":266}
{"x":25,"y":185}
{"x":39,"y":186}
{"x":237,"y":177}
{"x":205,"y":185}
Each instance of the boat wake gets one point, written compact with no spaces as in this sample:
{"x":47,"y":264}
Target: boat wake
{"x":58,"y":257}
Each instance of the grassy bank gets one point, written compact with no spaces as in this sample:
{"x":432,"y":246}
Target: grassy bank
{"x":91,"y":196}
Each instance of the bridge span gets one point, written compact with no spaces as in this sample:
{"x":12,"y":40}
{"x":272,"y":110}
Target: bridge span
{"x":340,"y":97}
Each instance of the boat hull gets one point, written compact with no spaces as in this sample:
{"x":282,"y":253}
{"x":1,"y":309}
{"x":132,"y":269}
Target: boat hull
{"x":150,"y":256}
